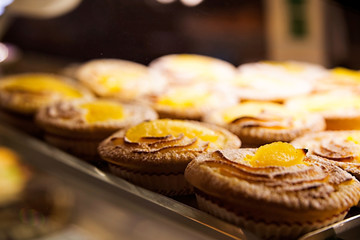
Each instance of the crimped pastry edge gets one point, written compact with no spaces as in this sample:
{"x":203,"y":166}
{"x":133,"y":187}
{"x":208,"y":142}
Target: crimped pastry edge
{"x":160,"y":161}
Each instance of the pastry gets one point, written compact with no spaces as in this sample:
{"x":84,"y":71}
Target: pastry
{"x":339,"y":78}
{"x":341,"y":148}
{"x":21,"y":95}
{"x":183,"y":69}
{"x":121,"y":79}
{"x":340,"y":108}
{"x":257,"y":123}
{"x":154,"y":154}
{"x":79,"y":126}
{"x":275,"y":191}
{"x":190,"y":101}
{"x":31,"y":205}
{"x":275,"y":81}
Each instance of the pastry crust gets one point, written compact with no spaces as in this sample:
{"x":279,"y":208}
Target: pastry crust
{"x":68,"y":119}
{"x":161,"y":156}
{"x":121,"y":79}
{"x":21,"y":100}
{"x":190,"y":102}
{"x":340,"y":108}
{"x":158,"y":163}
{"x":301,"y":194}
{"x":273,"y":123}
{"x":66,"y":125}
{"x":275,"y":81}
{"x":183,"y":69}
{"x":335,"y":147}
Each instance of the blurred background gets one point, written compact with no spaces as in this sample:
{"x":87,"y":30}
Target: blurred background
{"x":239,"y":31}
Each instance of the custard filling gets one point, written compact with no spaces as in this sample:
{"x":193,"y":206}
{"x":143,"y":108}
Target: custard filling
{"x":117,"y":81}
{"x":164,"y":127}
{"x":42,"y":84}
{"x":278,"y":154}
{"x":100,"y":111}
{"x":184,"y":98}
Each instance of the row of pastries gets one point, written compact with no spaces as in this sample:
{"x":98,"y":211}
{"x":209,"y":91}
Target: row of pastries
{"x":189,"y":124}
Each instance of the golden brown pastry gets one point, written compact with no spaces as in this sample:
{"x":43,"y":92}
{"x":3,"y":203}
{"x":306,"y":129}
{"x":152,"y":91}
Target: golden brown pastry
{"x":340,"y":108}
{"x":257,"y":123}
{"x":155,"y":154}
{"x":184,"y":69}
{"x":190,"y":102}
{"x":341,"y":148}
{"x":275,"y":81}
{"x":275,"y":191}
{"x":116,"y":78}
{"x":21,"y":95}
{"x":79,"y":126}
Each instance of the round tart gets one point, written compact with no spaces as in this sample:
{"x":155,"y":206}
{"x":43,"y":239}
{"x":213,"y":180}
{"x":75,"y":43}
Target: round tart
{"x":275,"y":81}
{"x":275,"y":191}
{"x":13,"y":177}
{"x":190,"y":102}
{"x":257,"y":123}
{"x":185,"y":69}
{"x":79,"y":126}
{"x":341,"y":109}
{"x":117,"y":78}
{"x":155,"y":154}
{"x":341,"y":148}
{"x":339,"y":78}
{"x":22,"y":95}
{"x":31,"y":205}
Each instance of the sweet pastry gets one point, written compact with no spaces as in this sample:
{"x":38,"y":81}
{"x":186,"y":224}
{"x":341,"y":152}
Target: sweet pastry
{"x":31,"y":205}
{"x":155,"y":154}
{"x":257,"y":123}
{"x":341,"y":108}
{"x":275,"y":81}
{"x":79,"y":126}
{"x":13,"y":177}
{"x":183,"y":69}
{"x":121,"y":79}
{"x":341,"y":148}
{"x":190,"y":101}
{"x":275,"y":191}
{"x":339,"y":78}
{"x":21,"y":95}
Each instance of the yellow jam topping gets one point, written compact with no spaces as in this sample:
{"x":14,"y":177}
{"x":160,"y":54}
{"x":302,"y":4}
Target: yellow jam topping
{"x":277,"y":154}
{"x":184,"y":98}
{"x":252,"y":109}
{"x":42,"y":83}
{"x":165,"y":127}
{"x":100,"y":111}
{"x":345,"y":73}
{"x":289,"y":66}
{"x":117,"y":81}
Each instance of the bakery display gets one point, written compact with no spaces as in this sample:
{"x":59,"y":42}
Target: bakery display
{"x":340,"y":108}
{"x":79,"y":126}
{"x":258,"y":123}
{"x":341,"y":148}
{"x":154,"y":154}
{"x":276,"y":191}
{"x":21,"y":95}
{"x":117,"y":78}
